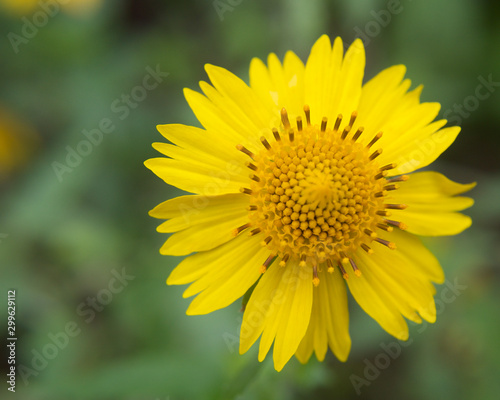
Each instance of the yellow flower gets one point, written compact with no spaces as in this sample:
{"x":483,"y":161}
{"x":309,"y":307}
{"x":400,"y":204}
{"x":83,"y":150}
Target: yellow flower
{"x":18,"y":141}
{"x":76,"y":7}
{"x":299,"y":185}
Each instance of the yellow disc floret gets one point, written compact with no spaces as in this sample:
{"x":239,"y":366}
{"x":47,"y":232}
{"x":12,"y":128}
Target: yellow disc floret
{"x":317,"y":194}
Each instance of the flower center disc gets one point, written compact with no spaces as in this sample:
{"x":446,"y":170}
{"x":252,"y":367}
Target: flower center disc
{"x":315,"y":193}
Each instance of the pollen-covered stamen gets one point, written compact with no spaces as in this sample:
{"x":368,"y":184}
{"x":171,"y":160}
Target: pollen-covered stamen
{"x":299,"y":123}
{"x":337,"y":123}
{"x":267,"y":240}
{"x":354,"y":115}
{"x":237,"y":231}
{"x":397,"y":224}
{"x":342,"y":271}
{"x":315,"y":276}
{"x":395,"y":206}
{"x":246,"y":190}
{"x":265,"y":143}
{"x":383,"y":213}
{"x":374,"y":140}
{"x":390,"y":245}
{"x":276,"y":135}
{"x":255,"y":231}
{"x":324,"y":121}
{"x":375,"y":154}
{"x":243,"y":149}
{"x":384,"y":227}
{"x":370,"y":233}
{"x":254,"y":178}
{"x":366,"y":248}
{"x":307,"y":112}
{"x":330,"y":268}
{"x":401,"y":178}
{"x":357,"y":272}
{"x":358,"y":133}
{"x":251,"y":166}
{"x":381,"y":175}
{"x":302,"y":262}
{"x":345,"y":132}
{"x":291,"y":135}
{"x":266,"y":264}
{"x":284,"y":260}
{"x":343,"y":257}
{"x":284,"y":118}
{"x":391,"y":187}
{"x":388,"y":167}
{"x":252,"y":207}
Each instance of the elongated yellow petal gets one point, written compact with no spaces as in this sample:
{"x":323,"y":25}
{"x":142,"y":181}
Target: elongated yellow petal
{"x":280,"y":309}
{"x":196,"y":266}
{"x":432,"y":202}
{"x":280,"y":85}
{"x":194,"y":178}
{"x":187,"y":211}
{"x":227,"y":274}
{"x":421,"y":150}
{"x":333,"y":82}
{"x":410,"y":138}
{"x":329,"y":324}
{"x":241,"y":105}
{"x":374,"y":299}
{"x":408,"y":292}
{"x":216,"y":121}
{"x":205,"y":144}
{"x":204,"y":236}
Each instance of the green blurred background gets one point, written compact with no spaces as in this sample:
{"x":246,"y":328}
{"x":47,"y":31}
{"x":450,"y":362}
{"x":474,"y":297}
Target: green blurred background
{"x":64,"y":235}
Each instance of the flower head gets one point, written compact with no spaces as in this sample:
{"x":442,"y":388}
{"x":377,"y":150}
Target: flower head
{"x":300,"y":184}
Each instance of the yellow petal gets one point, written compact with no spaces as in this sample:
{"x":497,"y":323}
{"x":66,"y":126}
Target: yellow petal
{"x":280,"y":309}
{"x":378,"y":96}
{"x":206,"y":235}
{"x":194,"y":178}
{"x":218,"y":121}
{"x":279,"y":85}
{"x":422,"y":149}
{"x":197,"y":265}
{"x":205,"y":143}
{"x":329,"y":325}
{"x":314,"y":338}
{"x":262,"y":84}
{"x":418,"y":259}
{"x":186,"y":211}
{"x":410,"y":138}
{"x":432,"y":202}
{"x":333,"y":82}
{"x":408,"y":292}
{"x":227,"y":273}
{"x":240,"y":106}
{"x":288,"y":83}
{"x":375,"y":301}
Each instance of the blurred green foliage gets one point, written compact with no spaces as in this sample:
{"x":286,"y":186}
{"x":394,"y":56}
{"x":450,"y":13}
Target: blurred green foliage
{"x":61,"y":239}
